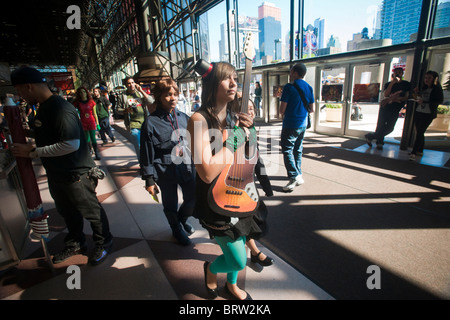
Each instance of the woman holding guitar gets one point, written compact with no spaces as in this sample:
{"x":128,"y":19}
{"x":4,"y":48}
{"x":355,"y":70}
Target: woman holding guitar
{"x":211,"y":157}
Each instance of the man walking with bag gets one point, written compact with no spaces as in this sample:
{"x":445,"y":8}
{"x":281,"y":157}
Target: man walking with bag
{"x":297,"y":101}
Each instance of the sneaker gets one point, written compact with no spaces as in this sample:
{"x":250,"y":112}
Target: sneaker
{"x":68,"y":252}
{"x":100,"y":253}
{"x":369,"y":141}
{"x":412,"y":157}
{"x":299,"y":180}
{"x":113,"y":139}
{"x":293,"y":182}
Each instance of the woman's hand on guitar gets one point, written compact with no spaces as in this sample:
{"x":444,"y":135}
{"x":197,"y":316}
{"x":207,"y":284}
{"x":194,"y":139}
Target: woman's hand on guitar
{"x":244,"y":120}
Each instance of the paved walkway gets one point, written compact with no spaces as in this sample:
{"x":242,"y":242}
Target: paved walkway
{"x":323,"y":236}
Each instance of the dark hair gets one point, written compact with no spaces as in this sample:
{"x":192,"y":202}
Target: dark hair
{"x":77,"y":99}
{"x":126,"y":80}
{"x":210,"y":84}
{"x":162,"y":87}
{"x":237,"y":108}
{"x":435,"y":76}
{"x":300,"y":69}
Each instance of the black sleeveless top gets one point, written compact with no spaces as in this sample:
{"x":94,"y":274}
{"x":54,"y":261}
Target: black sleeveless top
{"x":216,"y":224}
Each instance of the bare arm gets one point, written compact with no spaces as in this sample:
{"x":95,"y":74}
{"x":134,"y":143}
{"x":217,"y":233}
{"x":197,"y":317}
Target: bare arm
{"x":207,"y":166}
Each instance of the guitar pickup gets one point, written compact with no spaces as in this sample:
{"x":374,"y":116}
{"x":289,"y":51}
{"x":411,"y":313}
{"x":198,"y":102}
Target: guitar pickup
{"x":231,"y":207}
{"x":235,"y":179}
{"x":233,"y":192}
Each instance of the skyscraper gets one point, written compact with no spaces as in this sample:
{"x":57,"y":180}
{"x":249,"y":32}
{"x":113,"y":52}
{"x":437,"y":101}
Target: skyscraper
{"x":319,"y":25}
{"x":400,"y":19}
{"x":269,"y":22}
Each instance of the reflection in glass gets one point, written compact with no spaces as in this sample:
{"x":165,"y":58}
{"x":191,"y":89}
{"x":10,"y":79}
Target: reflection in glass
{"x":442,"y":21}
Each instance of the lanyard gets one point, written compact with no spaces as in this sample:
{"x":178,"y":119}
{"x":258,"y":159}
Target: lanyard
{"x":169,"y":116}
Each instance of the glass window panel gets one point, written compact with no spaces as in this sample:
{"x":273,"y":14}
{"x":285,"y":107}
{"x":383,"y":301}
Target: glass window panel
{"x":439,"y":129}
{"x":331,"y":95}
{"x":213,"y":34}
{"x":367,"y":86}
{"x":442,"y":21}
{"x":271,"y":23}
{"x":359,"y":25}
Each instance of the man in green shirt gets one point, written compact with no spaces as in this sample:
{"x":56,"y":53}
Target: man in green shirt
{"x":135,"y":104}
{"x":103,"y":107}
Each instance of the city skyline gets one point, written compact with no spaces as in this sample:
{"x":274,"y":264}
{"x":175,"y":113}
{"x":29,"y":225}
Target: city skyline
{"x":340,"y":23}
{"x":326,"y":11}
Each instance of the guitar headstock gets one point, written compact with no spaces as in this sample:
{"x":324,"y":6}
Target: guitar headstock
{"x":249,"y":48}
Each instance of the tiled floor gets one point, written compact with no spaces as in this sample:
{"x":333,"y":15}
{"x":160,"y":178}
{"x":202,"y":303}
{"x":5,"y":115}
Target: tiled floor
{"x":133,"y":270}
{"x":146,"y":262}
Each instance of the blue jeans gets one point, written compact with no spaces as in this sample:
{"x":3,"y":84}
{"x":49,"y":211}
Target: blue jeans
{"x":292,"y":147}
{"x":136,"y":140}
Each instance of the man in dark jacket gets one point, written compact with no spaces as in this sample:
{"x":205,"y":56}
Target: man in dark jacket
{"x":396,"y":92}
{"x":62,"y":147}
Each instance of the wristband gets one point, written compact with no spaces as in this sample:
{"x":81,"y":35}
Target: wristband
{"x":236,"y":138}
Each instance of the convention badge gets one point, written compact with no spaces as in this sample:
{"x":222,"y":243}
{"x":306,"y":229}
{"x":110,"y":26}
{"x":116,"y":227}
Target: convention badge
{"x":179,"y":150}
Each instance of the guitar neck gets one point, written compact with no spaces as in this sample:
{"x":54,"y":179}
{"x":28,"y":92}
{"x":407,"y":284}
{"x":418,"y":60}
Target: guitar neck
{"x":246,"y":86}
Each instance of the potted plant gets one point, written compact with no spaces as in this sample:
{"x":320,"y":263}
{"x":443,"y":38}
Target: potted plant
{"x":442,"y":121}
{"x":333,"y":112}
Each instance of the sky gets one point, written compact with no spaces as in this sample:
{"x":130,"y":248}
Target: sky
{"x":342,"y":18}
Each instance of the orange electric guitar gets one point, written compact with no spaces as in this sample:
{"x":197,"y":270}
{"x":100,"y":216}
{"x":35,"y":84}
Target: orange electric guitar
{"x":233,"y":193}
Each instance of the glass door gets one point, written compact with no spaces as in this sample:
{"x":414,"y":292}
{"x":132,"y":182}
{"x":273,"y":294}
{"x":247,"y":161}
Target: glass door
{"x":274,"y":89}
{"x":365,"y":95}
{"x":331,"y":99}
{"x":348,"y":97}
{"x":438,"y":133}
